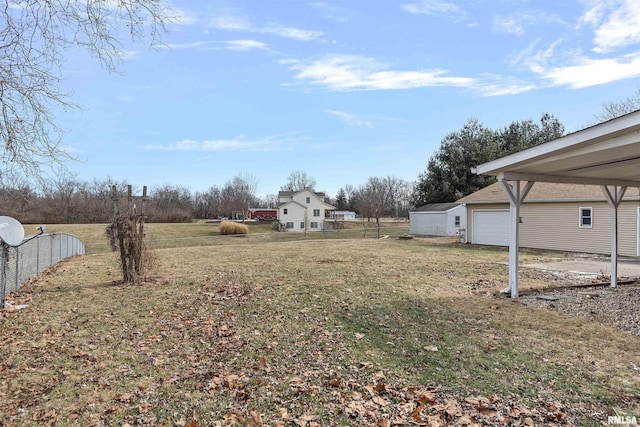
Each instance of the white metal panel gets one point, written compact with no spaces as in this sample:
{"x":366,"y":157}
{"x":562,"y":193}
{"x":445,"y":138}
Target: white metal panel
{"x":491,"y":227}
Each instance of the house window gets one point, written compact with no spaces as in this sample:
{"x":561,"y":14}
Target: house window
{"x":586,"y":218}
{"x":308,"y":199}
{"x":316,"y":212}
{"x":284,"y":211}
{"x":302,"y":225}
{"x":290,"y":225}
{"x":457,"y":220}
{"x":313,"y":225}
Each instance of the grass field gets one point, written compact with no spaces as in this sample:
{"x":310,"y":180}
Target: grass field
{"x":309,"y":333}
{"x":208,"y":233}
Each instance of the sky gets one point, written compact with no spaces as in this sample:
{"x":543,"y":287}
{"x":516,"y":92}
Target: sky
{"x":342,"y":90}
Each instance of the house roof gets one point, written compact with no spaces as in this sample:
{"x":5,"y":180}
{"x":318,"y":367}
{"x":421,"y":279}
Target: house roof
{"x":604,"y":154}
{"x":291,"y":202}
{"x":544,"y":192}
{"x":437,"y":207}
{"x":291,"y":193}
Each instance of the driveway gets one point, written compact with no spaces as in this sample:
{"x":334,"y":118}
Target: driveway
{"x":591,"y":267}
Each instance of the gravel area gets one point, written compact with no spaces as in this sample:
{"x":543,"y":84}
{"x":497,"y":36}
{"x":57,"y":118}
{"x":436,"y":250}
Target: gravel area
{"x":619,"y":307}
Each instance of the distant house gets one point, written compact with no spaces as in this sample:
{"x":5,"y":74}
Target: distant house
{"x":343,"y":215}
{"x":438,"y":219}
{"x":303,"y":210}
{"x":564,"y":217}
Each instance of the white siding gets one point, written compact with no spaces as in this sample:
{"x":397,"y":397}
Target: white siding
{"x":428,"y":223}
{"x":437,"y":223}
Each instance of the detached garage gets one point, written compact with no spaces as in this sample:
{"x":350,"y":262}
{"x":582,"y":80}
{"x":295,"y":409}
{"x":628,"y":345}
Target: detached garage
{"x":438,"y":219}
{"x":564,"y":217}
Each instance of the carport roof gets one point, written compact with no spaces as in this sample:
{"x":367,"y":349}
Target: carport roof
{"x":604,"y":154}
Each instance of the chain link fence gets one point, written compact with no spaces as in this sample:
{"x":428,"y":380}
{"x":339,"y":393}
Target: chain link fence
{"x":32,"y":257}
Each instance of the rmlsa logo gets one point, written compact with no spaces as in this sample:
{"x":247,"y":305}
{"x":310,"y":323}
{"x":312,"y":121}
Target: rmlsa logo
{"x":625,"y":420}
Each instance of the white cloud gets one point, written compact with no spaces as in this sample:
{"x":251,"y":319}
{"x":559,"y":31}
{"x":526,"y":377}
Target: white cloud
{"x":237,"y":45}
{"x":432,"y":7}
{"x":587,"y":72}
{"x":518,"y":22}
{"x":331,"y":12}
{"x":235,"y":23}
{"x":290,"y":33}
{"x":574,"y":69}
{"x":350,"y":119}
{"x":505,"y":87}
{"x":615,"y":23}
{"x":239,"y":143}
{"x":245,"y":45}
{"x":230,"y":23}
{"x":352,"y":72}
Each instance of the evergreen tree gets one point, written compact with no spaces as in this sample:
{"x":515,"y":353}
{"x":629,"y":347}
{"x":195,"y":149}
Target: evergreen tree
{"x":448,"y":176}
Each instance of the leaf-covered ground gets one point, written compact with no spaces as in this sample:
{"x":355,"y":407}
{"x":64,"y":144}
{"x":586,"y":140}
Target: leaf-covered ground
{"x":317,"y":333}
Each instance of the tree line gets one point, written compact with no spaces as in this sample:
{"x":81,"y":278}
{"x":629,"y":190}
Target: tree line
{"x":68,"y":199}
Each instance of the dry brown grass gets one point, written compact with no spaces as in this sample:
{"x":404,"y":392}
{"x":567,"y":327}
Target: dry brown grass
{"x":288,"y":332}
{"x":230,"y":228}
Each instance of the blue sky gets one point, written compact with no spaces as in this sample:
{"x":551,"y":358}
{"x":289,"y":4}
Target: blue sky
{"x":343,"y":90}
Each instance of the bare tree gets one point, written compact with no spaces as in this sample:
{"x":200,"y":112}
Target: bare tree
{"x":377,"y":198}
{"x":34,"y":37}
{"x":239,"y":193}
{"x":268,"y":201}
{"x":619,"y":108}
{"x":170,"y":203}
{"x":297,"y":181}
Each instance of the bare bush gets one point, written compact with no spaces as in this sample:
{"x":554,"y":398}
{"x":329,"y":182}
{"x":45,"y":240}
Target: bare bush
{"x":126,"y":234}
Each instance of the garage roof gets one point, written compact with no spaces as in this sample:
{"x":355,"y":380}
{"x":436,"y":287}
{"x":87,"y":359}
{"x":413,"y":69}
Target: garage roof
{"x":604,"y":154}
{"x":437,"y":207}
{"x":544,"y":192}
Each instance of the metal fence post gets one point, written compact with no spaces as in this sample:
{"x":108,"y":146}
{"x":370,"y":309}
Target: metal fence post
{"x":38,"y":255}
{"x":17,"y":265}
{"x":3,"y":279}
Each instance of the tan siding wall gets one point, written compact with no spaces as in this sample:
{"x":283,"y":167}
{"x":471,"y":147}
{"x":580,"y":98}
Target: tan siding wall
{"x":628,"y":229}
{"x":555,"y":226}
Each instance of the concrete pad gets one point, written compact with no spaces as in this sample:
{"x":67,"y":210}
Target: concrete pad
{"x":590,"y":267}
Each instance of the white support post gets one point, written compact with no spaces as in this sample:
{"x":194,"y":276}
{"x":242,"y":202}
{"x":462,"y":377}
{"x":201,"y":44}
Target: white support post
{"x":516,"y":196}
{"x":614,"y":195}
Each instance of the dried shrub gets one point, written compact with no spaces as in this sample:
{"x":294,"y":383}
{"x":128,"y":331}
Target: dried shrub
{"x":233,"y":228}
{"x":126,"y":234}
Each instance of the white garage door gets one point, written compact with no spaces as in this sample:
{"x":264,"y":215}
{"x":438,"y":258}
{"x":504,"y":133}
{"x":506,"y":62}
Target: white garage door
{"x":491,"y":227}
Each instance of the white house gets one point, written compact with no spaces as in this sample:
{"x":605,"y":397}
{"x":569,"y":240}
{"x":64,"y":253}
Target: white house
{"x":438,"y":219}
{"x":303,"y":210}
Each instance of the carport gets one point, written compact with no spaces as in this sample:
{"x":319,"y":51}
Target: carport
{"x":607,"y":155}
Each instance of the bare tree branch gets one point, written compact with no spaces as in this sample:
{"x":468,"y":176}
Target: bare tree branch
{"x":34,"y":37}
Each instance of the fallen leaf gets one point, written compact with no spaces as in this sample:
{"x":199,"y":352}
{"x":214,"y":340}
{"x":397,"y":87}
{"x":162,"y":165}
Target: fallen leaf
{"x":335,"y":382}
{"x":452,"y":408}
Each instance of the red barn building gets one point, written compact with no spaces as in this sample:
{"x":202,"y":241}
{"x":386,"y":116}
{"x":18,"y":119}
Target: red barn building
{"x":263,"y":214}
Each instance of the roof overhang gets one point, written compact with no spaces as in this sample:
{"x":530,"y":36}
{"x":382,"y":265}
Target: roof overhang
{"x":604,"y":154}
